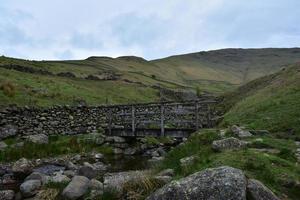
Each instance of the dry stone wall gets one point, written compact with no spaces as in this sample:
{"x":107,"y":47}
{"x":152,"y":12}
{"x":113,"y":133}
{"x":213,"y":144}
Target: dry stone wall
{"x":54,"y":120}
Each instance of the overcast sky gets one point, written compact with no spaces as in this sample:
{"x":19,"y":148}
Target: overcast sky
{"x":76,"y":29}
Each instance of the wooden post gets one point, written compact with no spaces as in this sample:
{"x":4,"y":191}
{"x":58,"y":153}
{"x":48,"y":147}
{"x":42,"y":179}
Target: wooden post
{"x":197,"y":115}
{"x":109,"y":120}
{"x":162,"y":119}
{"x":133,"y":120}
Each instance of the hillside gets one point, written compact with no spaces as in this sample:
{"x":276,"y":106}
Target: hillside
{"x":97,"y":80}
{"x":271,"y":102}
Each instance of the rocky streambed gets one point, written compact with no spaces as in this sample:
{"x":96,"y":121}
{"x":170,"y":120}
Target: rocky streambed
{"x":30,"y":178}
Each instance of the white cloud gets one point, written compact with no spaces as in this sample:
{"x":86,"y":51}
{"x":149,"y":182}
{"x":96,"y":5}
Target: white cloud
{"x":77,"y":29}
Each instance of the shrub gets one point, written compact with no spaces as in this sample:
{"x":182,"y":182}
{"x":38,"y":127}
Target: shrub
{"x":8,"y":88}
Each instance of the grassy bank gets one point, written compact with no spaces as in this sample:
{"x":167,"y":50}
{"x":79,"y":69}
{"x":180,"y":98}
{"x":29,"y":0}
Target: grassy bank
{"x":271,"y":103}
{"x":58,"y":145}
{"x":274,"y":170}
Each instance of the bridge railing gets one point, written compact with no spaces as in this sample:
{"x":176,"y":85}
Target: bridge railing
{"x":191,"y":115}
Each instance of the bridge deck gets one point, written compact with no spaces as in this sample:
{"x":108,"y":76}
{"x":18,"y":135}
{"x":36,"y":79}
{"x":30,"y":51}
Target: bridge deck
{"x":138,"y":120}
{"x":155,"y":132}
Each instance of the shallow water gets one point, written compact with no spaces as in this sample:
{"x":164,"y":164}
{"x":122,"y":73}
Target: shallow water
{"x":125,"y":163}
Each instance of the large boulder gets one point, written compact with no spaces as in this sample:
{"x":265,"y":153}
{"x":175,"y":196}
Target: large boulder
{"x":7,"y":195}
{"x":22,"y":166}
{"x":76,"y":188}
{"x":38,"y":176}
{"x":30,"y":188}
{"x":239,"y":132}
{"x":257,"y":191}
{"x":228,"y":144}
{"x":38,"y":139}
{"x":223,"y":183}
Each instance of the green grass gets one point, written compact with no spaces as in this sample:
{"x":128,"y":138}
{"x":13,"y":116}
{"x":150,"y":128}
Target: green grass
{"x":213,"y":71}
{"x":274,"y":170}
{"x":58,"y":145}
{"x":273,"y":103}
{"x":47,"y":90}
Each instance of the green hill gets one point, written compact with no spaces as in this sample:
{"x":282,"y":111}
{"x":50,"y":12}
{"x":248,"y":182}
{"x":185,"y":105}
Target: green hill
{"x":98,"y":80}
{"x":271,"y":102}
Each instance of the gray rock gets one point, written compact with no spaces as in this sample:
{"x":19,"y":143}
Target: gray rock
{"x":161,"y":151}
{"x":3,"y":146}
{"x":228,"y":144}
{"x":99,"y":167}
{"x":222,"y":133}
{"x":76,"y":188}
{"x":96,"y":185}
{"x":22,"y":166}
{"x":71,"y":166}
{"x":187,"y":161}
{"x":155,"y":160}
{"x":60,"y":178}
{"x":240,"y":132}
{"x":7,"y":195}
{"x":7,"y":131}
{"x":115,"y":139}
{"x":257,"y":191}
{"x":8,"y":179}
{"x":99,"y":156}
{"x":155,"y":154}
{"x":118,"y":151}
{"x":38,"y":176}
{"x":69,"y":173}
{"x":166,"y":172}
{"x":30,"y":188}
{"x":48,"y":169}
{"x":87,"y":171}
{"x":115,"y":181}
{"x":130,"y":151}
{"x":120,"y":145}
{"x":38,"y":139}
{"x":214,"y":184}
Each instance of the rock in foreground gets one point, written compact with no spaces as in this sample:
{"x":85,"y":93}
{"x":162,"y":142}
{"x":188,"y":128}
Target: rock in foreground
{"x":30,"y":188}
{"x":76,"y":188}
{"x":257,"y":191}
{"x":214,"y":184}
{"x":222,"y":183}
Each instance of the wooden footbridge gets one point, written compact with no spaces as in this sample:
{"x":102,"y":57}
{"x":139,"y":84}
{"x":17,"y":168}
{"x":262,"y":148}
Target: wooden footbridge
{"x":175,"y":119}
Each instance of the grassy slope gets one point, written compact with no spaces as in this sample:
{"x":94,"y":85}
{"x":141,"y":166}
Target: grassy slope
{"x":234,"y":66}
{"x":274,"y":170}
{"x":214,"y":71}
{"x":46,"y":90}
{"x":271,"y":102}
